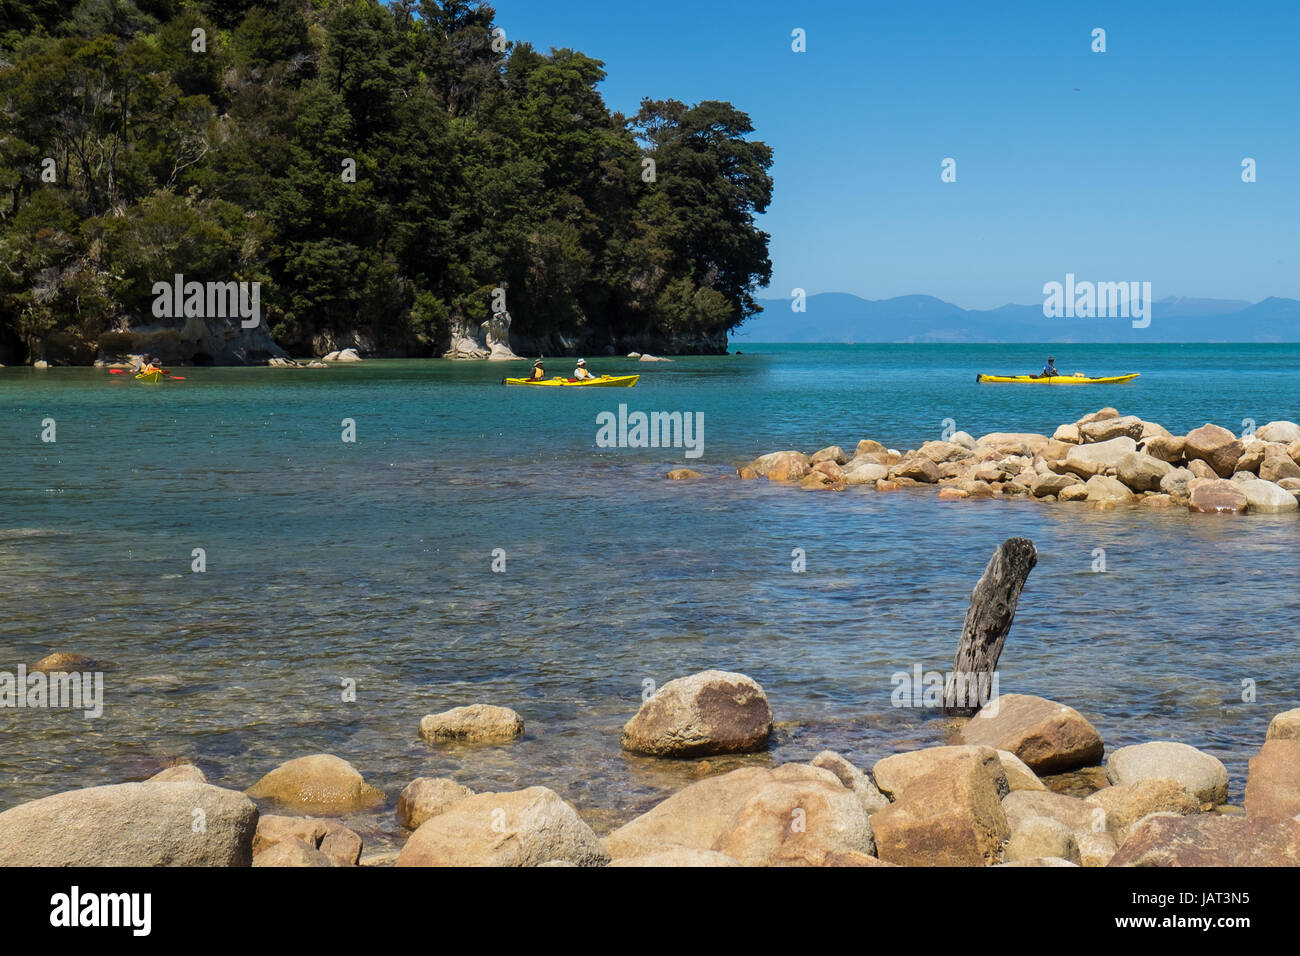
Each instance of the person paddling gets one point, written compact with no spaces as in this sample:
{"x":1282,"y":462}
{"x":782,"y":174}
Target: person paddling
{"x":581,"y":373}
{"x":539,"y":371}
{"x":1049,"y":370}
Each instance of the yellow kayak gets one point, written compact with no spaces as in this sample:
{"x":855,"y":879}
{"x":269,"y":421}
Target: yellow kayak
{"x":153,"y":376}
{"x":606,"y":381}
{"x":1075,"y":379}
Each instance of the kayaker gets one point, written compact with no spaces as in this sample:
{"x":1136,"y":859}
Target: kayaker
{"x":1049,"y":370}
{"x":581,"y":373}
{"x":539,"y":371}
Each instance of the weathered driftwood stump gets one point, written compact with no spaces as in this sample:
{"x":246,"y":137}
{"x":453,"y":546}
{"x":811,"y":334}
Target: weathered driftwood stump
{"x":988,"y":619}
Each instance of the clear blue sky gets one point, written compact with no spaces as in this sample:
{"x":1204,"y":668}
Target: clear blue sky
{"x":1136,"y":176}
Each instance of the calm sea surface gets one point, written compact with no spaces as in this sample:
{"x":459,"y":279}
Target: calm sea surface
{"x":372,"y":562}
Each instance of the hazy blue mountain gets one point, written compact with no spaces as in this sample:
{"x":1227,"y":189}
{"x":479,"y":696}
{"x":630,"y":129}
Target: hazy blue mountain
{"x":841,"y":317}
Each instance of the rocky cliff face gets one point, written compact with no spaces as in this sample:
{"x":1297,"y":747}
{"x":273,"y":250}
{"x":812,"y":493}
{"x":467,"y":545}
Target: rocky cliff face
{"x":191,"y":341}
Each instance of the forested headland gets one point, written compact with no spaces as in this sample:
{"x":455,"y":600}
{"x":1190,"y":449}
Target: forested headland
{"x":379,"y":169}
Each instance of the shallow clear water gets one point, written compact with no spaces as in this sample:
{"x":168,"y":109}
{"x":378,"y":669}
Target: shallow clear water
{"x":372,"y":562}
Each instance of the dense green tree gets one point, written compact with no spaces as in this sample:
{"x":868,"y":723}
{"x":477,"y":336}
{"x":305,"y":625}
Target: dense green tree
{"x":381,"y":169}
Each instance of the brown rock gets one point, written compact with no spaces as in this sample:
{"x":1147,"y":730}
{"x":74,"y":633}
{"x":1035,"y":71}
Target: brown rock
{"x":292,"y":852}
{"x":1166,"y":449}
{"x":1049,"y":737}
{"x":1097,"y":416}
{"x":917,"y":469}
{"x":781,"y":466}
{"x":1095,"y":849}
{"x":1210,"y":840}
{"x":335,"y":842}
{"x":1039,"y":837}
{"x":893,"y":775}
{"x":63,"y":661}
{"x":181,"y":773}
{"x":1285,"y":726}
{"x":831,"y":453}
{"x":883,"y":485}
{"x":1215,"y":496}
{"x":1216,"y":446}
{"x":475,"y":724}
{"x":869,"y":447}
{"x":1273,"y":786}
{"x":713,"y":712}
{"x":1129,"y":426}
{"x":426,"y":797}
{"x":682,"y":474}
{"x":830,"y":469}
{"x":868,"y":793}
{"x":952,"y":494}
{"x":1124,"y":805}
{"x":321,"y":783}
{"x":1278,"y":464}
{"x":944,"y":820}
{"x":1075,"y":814}
{"x":521,"y":828}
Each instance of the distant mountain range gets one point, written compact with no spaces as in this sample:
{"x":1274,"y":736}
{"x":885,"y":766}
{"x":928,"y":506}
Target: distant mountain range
{"x":840,"y":317}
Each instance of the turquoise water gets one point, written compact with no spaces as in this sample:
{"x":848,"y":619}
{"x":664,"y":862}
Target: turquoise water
{"x":372,"y":562}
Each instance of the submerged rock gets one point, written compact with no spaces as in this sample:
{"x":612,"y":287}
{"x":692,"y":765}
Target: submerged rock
{"x":320,"y":783}
{"x":475,"y":724}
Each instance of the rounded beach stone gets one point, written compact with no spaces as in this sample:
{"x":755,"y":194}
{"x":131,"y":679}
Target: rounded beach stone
{"x":713,"y":712}
{"x":1203,"y":775}
{"x":1037,"y":837}
{"x":475,"y":724}
{"x":131,"y":824}
{"x":320,"y":783}
{"x":426,"y":797}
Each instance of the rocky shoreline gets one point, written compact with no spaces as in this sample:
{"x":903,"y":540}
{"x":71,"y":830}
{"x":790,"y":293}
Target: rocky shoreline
{"x":1023,"y":783}
{"x":1105,"y":459}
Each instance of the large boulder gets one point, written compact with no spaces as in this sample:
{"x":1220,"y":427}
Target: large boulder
{"x":339,"y":845}
{"x":1026,"y":444}
{"x":1076,"y":815}
{"x":520,"y":828}
{"x":1216,"y":496}
{"x":1176,"y":481}
{"x":1097,"y":416}
{"x":791,"y":815}
{"x":895,"y":774}
{"x":778,"y":466}
{"x":1200,"y":773}
{"x":795,"y":818}
{"x":476,"y":724}
{"x":1096,"y":458}
{"x":426,"y":797}
{"x":1278,"y":464}
{"x":1210,"y":840}
{"x":1128,"y":426}
{"x":1103,"y":488}
{"x":1216,"y":446}
{"x":1052,"y":484}
{"x":1141,"y":472}
{"x":830,"y":453}
{"x":1284,"y":432}
{"x":1273,"y":784}
{"x":1167,"y":448}
{"x":132,"y":824}
{"x":1284,"y":726}
{"x":318,"y":784}
{"x":713,"y":712}
{"x":949,"y":817}
{"x":860,"y":471}
{"x":1264,"y":497}
{"x":1126,"y":804}
{"x":1039,"y":837}
{"x":1049,"y":737}
{"x":920,"y":469}
{"x":942,"y":451}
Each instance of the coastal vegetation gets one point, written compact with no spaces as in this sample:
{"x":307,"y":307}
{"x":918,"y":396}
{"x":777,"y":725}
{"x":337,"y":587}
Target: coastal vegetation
{"x":381,"y":170}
